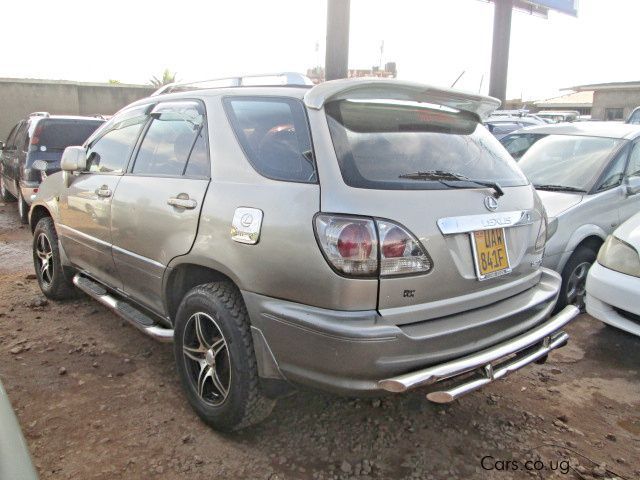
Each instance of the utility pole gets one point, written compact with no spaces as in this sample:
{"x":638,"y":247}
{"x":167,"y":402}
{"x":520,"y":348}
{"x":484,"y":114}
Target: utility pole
{"x":500,"y":49}
{"x":337,"y":54}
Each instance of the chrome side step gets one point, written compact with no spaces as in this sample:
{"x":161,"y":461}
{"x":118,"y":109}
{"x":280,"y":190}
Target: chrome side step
{"x":131,"y":314}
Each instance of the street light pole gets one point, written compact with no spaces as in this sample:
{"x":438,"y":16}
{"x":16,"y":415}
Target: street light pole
{"x":500,"y":49}
{"x":337,"y":50}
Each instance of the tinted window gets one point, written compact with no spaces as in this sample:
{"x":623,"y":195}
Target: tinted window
{"x":12,"y":137}
{"x":274,"y":134}
{"x":111,"y":151}
{"x":170,"y":139}
{"x":635,"y":117}
{"x":58,"y":134}
{"x":198,"y":165}
{"x":568,"y":160}
{"x":380,"y":143}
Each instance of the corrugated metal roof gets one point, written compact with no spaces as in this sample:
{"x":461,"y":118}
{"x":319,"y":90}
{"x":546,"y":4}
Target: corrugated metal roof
{"x":576,"y":99}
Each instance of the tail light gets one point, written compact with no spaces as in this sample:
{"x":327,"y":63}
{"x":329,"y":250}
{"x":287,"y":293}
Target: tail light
{"x":357,"y":246}
{"x":350,"y":244}
{"x":542,"y":233}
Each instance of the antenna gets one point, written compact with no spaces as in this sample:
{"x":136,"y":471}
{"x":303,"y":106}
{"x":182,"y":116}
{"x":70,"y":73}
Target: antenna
{"x":459,"y":77}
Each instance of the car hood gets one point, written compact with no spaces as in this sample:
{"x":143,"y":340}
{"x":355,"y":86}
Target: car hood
{"x":557,"y":203}
{"x":629,"y":231}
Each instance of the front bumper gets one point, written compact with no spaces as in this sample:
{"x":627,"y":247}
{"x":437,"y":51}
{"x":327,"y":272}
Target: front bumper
{"x":612,"y":297}
{"x":360,"y":352}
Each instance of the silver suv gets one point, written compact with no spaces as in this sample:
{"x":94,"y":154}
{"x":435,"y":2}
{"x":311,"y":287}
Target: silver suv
{"x":359,"y":236}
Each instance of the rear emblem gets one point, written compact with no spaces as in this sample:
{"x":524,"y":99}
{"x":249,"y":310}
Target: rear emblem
{"x":491,"y":203}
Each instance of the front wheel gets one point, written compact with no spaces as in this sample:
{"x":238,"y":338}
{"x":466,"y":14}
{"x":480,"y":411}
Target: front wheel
{"x":574,"y":279}
{"x":52,"y":277}
{"x":215,"y":359}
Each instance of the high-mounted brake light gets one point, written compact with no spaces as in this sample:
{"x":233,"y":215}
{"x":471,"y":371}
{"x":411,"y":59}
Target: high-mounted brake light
{"x":357,"y":246}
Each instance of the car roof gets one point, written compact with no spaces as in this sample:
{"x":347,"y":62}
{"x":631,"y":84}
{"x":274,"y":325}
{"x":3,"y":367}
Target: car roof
{"x":589,"y":129}
{"x":64,"y":117}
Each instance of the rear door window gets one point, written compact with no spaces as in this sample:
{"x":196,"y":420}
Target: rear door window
{"x":399,"y":145}
{"x":174,"y":144}
{"x":274,"y":135}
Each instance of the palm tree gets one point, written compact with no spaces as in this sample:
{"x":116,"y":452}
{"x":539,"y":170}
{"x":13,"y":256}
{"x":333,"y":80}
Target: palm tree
{"x":167,"y":77}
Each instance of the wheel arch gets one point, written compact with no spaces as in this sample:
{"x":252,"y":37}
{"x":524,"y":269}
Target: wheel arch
{"x":38,"y":212}
{"x":181,"y":278}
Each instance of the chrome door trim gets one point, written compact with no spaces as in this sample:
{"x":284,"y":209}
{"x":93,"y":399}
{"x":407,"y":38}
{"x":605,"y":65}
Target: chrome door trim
{"x":61,"y":227}
{"x":487,"y":221}
{"x":138,"y":257}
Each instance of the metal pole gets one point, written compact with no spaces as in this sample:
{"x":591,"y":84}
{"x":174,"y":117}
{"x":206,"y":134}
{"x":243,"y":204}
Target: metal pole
{"x":500,"y":49}
{"x":337,"y":54}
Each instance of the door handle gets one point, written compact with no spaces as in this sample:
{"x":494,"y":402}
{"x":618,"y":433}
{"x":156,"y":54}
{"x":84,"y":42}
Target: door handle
{"x":103,"y":191}
{"x":182,"y":201}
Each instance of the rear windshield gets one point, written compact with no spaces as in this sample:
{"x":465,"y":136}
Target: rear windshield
{"x":379,"y":144}
{"x":58,"y":134}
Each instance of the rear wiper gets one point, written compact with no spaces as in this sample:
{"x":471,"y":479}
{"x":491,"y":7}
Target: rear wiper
{"x":559,"y":188}
{"x":442,"y":176}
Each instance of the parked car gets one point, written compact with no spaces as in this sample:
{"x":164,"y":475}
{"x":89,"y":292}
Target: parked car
{"x":634,"y":118}
{"x":559,"y":116}
{"x":15,"y":460}
{"x":613,"y":284}
{"x":501,"y":126}
{"x":33,"y":148}
{"x":361,"y":236}
{"x":588,"y":177}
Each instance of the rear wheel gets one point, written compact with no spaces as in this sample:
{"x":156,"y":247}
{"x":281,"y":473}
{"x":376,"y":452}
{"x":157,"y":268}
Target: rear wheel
{"x":23,"y":209}
{"x":574,"y":278}
{"x":52,"y":278}
{"x":215,"y":359}
{"x":5,"y":196}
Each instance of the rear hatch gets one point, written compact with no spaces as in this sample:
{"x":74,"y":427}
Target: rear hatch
{"x":50,"y":136}
{"x":422,"y":160}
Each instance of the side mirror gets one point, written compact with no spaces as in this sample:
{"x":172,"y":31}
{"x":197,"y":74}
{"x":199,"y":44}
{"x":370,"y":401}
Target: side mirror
{"x":1,"y":145}
{"x":632,"y":185}
{"x":73,"y":159}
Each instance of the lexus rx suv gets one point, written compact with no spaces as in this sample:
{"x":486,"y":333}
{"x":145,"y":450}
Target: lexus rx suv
{"x":360,"y":236}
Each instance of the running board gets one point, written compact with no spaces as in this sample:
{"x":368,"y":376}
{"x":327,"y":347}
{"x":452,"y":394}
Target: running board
{"x":135,"y":317}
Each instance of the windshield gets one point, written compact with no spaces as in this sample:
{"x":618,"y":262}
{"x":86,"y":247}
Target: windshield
{"x":568,"y":160}
{"x":390,"y":145}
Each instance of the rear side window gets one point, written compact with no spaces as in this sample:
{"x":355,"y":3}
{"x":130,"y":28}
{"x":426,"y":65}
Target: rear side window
{"x":170,"y":142}
{"x":274,"y":134}
{"x":405,"y":145}
{"x":58,"y":134}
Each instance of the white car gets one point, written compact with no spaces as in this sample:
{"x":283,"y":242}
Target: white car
{"x":613,"y":283}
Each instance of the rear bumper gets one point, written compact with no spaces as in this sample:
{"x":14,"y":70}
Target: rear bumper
{"x":29,"y":190}
{"x":356,"y":352}
{"x":608,"y":290}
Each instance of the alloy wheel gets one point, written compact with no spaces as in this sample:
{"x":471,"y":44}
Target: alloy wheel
{"x":576,"y":286}
{"x":45,"y":259}
{"x":207,"y":358}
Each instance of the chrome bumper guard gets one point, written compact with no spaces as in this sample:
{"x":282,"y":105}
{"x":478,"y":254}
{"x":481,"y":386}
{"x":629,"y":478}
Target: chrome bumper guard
{"x":511,"y":356}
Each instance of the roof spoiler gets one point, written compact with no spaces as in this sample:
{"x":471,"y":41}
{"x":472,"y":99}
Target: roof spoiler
{"x":372,"y":88}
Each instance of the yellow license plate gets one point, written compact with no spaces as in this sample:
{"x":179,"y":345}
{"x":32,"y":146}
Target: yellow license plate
{"x":490,"y":253}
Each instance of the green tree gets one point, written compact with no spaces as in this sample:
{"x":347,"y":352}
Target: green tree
{"x":167,"y":77}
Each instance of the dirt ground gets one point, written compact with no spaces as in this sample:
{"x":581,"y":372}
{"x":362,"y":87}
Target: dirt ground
{"x":98,"y":400}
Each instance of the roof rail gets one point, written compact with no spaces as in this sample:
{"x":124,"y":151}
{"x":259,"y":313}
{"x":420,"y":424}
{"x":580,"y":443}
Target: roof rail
{"x":284,"y":78}
{"x":39,"y":114}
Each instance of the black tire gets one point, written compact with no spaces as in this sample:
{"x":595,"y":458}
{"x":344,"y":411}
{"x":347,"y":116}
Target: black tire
{"x":23,"y":209}
{"x":54,"y":280}
{"x":5,"y":196}
{"x":222,"y":314}
{"x":570,"y":292}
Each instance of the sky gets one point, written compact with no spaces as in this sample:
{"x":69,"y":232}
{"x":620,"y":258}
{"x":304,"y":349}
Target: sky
{"x":432,"y":41}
